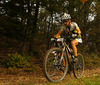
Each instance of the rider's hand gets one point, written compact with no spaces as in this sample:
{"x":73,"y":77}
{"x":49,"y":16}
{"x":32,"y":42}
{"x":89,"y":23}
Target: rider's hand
{"x":79,"y":36}
{"x":57,"y":36}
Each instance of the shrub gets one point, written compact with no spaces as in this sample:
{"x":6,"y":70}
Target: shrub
{"x":16,"y":61}
{"x":91,"y":60}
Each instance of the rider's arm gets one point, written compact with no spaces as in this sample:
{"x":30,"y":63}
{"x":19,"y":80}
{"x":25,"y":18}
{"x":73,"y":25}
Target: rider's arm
{"x":58,"y":34}
{"x":78,"y":30}
{"x":62,"y":28}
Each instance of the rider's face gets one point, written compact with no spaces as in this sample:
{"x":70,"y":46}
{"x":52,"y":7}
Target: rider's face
{"x":67,"y":23}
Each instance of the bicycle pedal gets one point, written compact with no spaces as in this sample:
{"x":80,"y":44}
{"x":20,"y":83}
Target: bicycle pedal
{"x":75,"y":60}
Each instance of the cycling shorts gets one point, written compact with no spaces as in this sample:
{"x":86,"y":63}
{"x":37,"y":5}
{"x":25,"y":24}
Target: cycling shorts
{"x":79,"y":40}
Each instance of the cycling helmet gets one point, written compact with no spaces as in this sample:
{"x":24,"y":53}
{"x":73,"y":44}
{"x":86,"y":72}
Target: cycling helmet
{"x":66,"y":16}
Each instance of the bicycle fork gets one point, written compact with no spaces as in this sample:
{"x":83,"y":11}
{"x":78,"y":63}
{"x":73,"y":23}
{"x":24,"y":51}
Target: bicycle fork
{"x":62,"y":57}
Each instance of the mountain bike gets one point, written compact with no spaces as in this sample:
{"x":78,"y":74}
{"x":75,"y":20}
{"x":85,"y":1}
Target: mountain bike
{"x":59,"y":60}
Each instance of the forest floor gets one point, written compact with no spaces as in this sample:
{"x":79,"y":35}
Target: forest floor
{"x":90,"y":77}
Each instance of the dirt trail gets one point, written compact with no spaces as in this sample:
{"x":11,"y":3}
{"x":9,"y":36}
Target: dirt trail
{"x":36,"y":79}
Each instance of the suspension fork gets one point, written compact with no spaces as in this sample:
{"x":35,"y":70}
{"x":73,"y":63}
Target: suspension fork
{"x":67,"y":53}
{"x":62,"y":56}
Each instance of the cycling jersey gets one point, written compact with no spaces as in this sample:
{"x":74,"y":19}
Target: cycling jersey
{"x":71,"y":28}
{"x":71,"y":31}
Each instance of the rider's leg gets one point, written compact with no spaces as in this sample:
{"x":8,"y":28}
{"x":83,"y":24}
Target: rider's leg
{"x":63,"y":61}
{"x":73,"y":44}
{"x":71,"y":49}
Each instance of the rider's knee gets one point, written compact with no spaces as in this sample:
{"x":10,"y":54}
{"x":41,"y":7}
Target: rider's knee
{"x":72,"y":43}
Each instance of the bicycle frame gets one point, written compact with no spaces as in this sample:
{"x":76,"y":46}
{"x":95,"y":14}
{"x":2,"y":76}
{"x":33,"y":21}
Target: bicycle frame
{"x":61,"y":43}
{"x":64,"y":46}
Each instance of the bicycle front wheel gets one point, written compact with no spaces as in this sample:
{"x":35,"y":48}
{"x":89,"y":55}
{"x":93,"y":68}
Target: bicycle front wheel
{"x":78,"y":67}
{"x":55,"y":69}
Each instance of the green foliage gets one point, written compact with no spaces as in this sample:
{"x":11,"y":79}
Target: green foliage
{"x":16,"y":61}
{"x":91,"y":60}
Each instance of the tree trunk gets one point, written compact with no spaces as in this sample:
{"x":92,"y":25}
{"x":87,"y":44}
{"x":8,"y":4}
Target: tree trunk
{"x":26,"y":29}
{"x":36,"y":15}
{"x":48,"y":31}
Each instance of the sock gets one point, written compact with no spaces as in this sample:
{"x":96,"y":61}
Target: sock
{"x":75,"y":56}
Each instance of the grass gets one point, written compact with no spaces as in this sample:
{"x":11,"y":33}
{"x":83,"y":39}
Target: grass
{"x":83,"y":81}
{"x":95,"y":80}
{"x":68,"y":80}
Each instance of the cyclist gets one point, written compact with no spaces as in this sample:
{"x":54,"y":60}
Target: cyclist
{"x":73,"y":33}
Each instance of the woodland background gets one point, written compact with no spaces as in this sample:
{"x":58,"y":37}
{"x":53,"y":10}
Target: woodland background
{"x":26,"y":27}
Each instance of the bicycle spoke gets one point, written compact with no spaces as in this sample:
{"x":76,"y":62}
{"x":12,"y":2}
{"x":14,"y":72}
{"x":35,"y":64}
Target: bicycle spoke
{"x":79,"y":67}
{"x":55,"y":71}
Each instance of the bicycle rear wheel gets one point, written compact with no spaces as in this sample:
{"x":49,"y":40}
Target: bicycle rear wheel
{"x":78,"y":67}
{"x":54,"y":69}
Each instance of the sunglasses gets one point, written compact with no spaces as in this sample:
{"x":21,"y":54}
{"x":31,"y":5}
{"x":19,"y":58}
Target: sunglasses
{"x":66,"y":20}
